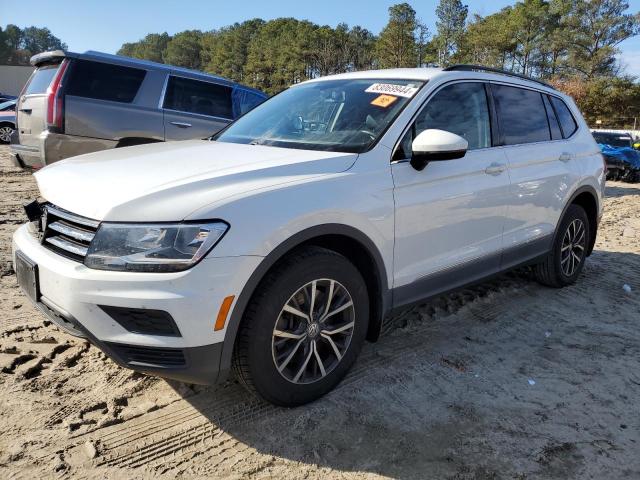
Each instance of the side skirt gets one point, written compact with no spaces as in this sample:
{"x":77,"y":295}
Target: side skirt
{"x":470,"y":273}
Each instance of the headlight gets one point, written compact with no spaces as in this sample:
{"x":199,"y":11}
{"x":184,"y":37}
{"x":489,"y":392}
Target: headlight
{"x":152,"y":247}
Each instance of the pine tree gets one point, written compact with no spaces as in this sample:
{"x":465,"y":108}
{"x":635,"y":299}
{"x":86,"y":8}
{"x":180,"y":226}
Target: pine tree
{"x":452,"y":16}
{"x":396,"y":46}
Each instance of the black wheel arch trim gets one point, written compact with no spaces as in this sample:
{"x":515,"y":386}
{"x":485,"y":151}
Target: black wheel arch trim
{"x":592,"y":228}
{"x":296,"y":240}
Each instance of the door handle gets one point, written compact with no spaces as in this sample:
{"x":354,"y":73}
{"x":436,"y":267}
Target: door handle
{"x":181,"y":124}
{"x":26,"y":110}
{"x":495,"y":169}
{"x":565,"y":157}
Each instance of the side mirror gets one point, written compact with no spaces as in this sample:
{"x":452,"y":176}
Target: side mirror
{"x":436,"y":145}
{"x":636,"y":146}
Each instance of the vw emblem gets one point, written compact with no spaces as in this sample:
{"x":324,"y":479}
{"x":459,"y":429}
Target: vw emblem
{"x":313,"y":329}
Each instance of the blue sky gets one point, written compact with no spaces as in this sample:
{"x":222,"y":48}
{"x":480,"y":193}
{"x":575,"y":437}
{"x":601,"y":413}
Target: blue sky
{"x":105,"y":25}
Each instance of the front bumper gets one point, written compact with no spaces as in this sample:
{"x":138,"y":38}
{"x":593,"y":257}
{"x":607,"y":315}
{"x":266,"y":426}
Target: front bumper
{"x":71,"y":296}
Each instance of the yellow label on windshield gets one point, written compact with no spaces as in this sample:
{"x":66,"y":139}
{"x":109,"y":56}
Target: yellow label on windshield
{"x":383,"y":101}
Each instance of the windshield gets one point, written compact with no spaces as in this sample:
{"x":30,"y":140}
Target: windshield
{"x":331,"y":115}
{"x":613,"y":139}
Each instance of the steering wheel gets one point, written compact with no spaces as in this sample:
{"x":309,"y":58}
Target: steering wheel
{"x":368,"y":132}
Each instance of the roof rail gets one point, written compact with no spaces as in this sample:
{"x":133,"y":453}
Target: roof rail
{"x":479,"y":68}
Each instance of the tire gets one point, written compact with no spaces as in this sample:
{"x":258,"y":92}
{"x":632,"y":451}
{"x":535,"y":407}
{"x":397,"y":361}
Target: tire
{"x":275,"y":345}
{"x":559,"y":268}
{"x":6,"y":131}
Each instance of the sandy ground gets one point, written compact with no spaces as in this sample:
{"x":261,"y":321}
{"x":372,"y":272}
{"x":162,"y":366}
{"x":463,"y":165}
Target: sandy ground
{"x":448,"y":392}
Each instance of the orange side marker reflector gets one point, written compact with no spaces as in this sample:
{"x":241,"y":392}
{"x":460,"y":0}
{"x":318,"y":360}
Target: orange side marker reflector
{"x":224,"y":311}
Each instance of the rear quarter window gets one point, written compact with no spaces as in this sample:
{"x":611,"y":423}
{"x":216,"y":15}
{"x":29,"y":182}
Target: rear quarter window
{"x":567,"y":122}
{"x":105,"y":81}
{"x":40,"y":79}
{"x":522,"y":116}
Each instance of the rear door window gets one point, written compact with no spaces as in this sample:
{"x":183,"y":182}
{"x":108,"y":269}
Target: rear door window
{"x":104,"y":81}
{"x":522,"y":116}
{"x":194,"y":96}
{"x":40,"y":79}
{"x":567,"y":122}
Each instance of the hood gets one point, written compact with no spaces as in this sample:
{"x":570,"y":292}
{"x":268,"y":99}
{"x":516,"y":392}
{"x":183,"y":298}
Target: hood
{"x":168,"y":181}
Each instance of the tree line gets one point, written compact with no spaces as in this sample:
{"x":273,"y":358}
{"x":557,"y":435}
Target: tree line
{"x":571,"y":43}
{"x":17,"y":45}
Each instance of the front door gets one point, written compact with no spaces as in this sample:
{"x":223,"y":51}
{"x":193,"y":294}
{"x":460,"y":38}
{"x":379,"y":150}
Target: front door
{"x":449,"y":216}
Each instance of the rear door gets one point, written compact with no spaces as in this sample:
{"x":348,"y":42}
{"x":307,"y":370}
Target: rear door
{"x":194,"y":108}
{"x":542,"y":166}
{"x":31,"y":108}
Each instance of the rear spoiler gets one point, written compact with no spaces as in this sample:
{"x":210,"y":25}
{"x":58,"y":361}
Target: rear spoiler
{"x":47,"y":57}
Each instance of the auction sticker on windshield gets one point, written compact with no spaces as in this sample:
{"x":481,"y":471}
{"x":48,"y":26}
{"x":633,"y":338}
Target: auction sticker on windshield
{"x":383,"y":100}
{"x":406,"y":91}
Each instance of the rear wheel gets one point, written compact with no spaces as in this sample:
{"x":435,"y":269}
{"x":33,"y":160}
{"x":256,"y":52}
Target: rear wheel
{"x":303,"y":329}
{"x":565,"y":261}
{"x":5,"y":133}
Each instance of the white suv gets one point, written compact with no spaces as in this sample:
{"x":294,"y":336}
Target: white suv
{"x":277,"y":247}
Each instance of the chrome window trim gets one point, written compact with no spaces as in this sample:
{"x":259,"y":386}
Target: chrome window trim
{"x":163,"y":92}
{"x":197,"y":114}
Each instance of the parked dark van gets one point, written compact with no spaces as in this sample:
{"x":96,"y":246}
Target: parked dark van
{"x":77,"y":103}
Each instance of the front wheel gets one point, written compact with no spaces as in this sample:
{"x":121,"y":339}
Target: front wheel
{"x":303,"y":329}
{"x":565,"y":261}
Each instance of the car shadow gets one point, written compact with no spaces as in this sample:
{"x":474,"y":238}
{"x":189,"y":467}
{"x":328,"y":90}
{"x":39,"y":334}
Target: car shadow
{"x":480,"y":383}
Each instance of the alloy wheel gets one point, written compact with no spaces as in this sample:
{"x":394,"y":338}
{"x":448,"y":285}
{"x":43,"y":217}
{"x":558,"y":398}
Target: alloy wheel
{"x":5,"y":134}
{"x":313,"y":331}
{"x":573,"y":247}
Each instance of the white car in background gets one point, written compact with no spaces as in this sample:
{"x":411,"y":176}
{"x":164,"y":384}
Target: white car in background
{"x":278,"y":247}
{"x":7,"y":120}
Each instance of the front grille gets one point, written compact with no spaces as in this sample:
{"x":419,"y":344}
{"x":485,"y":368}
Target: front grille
{"x":141,"y":320}
{"x":149,"y":356}
{"x":66,"y":233}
